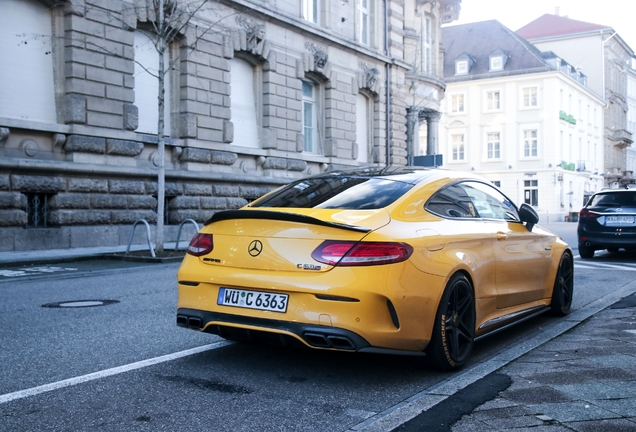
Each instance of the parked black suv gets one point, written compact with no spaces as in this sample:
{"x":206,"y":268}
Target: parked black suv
{"x":608,"y":221}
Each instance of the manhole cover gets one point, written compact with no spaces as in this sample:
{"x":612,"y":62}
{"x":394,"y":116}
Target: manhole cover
{"x":80,"y":303}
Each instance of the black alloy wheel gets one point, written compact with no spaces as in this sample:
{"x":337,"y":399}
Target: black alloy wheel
{"x":563,"y":287}
{"x":454,"y":329}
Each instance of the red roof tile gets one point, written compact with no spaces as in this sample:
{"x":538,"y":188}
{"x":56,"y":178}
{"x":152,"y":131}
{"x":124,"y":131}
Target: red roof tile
{"x":554,"y":25}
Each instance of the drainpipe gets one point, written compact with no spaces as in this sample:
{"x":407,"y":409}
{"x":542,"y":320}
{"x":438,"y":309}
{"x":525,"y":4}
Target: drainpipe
{"x":387,"y":71}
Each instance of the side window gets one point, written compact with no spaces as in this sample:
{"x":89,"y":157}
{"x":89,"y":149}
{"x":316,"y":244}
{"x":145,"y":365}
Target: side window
{"x":489,"y":202}
{"x":451,"y":201}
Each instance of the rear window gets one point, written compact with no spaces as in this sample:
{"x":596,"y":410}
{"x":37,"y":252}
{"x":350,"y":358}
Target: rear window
{"x":347,"y":193}
{"x":613,"y":199}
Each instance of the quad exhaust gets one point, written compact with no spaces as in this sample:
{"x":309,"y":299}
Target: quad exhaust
{"x":191,"y":322}
{"x":325,"y":340}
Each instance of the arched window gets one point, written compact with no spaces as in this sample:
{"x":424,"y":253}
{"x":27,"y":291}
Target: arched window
{"x":244,"y":103}
{"x":26,"y":71}
{"x":147,"y":84}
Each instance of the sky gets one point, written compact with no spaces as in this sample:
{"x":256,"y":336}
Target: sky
{"x":514,"y":14}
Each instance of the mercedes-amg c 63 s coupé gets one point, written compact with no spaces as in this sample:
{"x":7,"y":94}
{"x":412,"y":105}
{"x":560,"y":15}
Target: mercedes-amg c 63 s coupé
{"x":392,"y":260}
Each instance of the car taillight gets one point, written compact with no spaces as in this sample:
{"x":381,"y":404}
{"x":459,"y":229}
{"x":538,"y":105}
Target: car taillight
{"x":348,"y":253}
{"x":200,"y":244}
{"x":586,"y":214}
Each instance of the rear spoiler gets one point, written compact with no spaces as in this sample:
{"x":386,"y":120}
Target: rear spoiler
{"x":280,"y":216}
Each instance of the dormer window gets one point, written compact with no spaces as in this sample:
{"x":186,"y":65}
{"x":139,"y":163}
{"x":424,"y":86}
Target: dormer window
{"x":461,"y":67}
{"x":497,"y":60}
{"x":463,"y":63}
{"x":496,"y":63}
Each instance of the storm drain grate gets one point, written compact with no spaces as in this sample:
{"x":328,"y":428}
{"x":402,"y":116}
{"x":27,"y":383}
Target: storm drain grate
{"x":79,"y":303}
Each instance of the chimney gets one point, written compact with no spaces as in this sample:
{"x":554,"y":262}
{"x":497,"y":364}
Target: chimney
{"x":557,"y":11}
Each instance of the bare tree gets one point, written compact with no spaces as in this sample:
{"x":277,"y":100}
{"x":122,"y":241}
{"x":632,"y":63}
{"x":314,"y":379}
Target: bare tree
{"x":172,"y":16}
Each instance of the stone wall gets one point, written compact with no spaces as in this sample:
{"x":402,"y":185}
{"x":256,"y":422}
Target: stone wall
{"x":98,"y":173}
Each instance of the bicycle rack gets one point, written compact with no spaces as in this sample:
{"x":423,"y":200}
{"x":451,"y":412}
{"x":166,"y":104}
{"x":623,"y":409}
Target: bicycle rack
{"x":196,"y":225}
{"x":152,"y":251}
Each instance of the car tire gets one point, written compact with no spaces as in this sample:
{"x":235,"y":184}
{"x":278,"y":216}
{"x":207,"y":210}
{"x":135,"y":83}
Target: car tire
{"x":563,"y":290}
{"x":586,"y":252}
{"x":454,"y":329}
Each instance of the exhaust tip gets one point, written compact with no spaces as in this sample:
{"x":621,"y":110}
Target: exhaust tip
{"x":182,"y":320}
{"x":189,"y":322}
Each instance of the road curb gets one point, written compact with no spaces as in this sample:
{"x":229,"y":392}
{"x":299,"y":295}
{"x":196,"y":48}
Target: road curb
{"x":423,"y":401}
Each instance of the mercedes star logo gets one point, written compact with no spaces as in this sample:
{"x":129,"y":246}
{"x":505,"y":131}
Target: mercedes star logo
{"x":255,"y":248}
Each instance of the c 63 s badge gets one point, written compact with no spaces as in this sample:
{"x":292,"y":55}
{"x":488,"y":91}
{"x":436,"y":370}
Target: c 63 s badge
{"x":308,"y":266}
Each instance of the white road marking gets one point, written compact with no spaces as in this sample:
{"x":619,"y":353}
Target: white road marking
{"x":108,"y":372}
{"x":31,"y":270}
{"x":600,"y":266}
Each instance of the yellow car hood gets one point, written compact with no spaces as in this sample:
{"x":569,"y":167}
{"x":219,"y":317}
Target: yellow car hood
{"x":284,"y":239}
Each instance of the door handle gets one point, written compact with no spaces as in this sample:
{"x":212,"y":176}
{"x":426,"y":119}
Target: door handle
{"x":501,"y":236}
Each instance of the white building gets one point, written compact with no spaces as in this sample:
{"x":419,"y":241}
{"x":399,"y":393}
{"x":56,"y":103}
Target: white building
{"x":521,"y":118}
{"x":603,"y":56}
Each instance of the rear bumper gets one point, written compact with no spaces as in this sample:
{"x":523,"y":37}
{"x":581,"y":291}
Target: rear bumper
{"x":605,"y":240}
{"x":277,"y":332}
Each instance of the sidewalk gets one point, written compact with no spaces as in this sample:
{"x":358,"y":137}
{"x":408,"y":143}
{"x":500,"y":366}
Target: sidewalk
{"x":583,"y":380}
{"x":58,"y":255}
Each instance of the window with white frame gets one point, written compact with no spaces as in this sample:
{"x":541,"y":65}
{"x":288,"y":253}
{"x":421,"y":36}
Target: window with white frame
{"x":493,"y":100}
{"x":427,"y":42}
{"x":457,"y":142}
{"x":461,"y":67}
{"x":27,"y":89}
{"x":530,"y":99}
{"x":147,"y":83}
{"x":311,"y":10}
{"x":457,"y":103}
{"x":496,"y":63}
{"x":363,"y":126}
{"x":243,"y":86}
{"x":310,"y":116}
{"x":364,"y":18}
{"x":530,"y":143}
{"x":493,"y":145}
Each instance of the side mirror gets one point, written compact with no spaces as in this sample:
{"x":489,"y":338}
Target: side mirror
{"x":528,"y":215}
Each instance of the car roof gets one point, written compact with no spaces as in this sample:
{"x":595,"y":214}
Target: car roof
{"x":614,"y":191}
{"x":410,"y":175}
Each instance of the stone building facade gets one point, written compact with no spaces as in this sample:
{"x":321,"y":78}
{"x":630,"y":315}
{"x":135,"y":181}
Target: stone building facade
{"x":257,"y":93}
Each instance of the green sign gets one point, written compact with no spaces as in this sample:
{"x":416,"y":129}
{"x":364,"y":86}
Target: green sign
{"x":567,"y":117}
{"x":568,"y":166}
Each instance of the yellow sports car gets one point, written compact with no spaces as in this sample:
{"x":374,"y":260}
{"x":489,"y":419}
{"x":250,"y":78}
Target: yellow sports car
{"x":390,"y":260}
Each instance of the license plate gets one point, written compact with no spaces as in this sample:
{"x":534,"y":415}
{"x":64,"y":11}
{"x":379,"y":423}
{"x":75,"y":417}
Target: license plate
{"x":620,"y":220}
{"x":253,"y":299}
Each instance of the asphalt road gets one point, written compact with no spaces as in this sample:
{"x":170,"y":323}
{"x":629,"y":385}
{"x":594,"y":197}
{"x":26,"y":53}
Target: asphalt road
{"x":222,"y":387}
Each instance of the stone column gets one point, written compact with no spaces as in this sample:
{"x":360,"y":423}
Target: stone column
{"x":432,"y":123}
{"x":411,"y":133}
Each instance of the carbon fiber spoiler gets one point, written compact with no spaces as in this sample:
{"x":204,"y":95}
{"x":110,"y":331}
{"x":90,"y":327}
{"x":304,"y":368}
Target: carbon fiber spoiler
{"x":280,"y":216}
